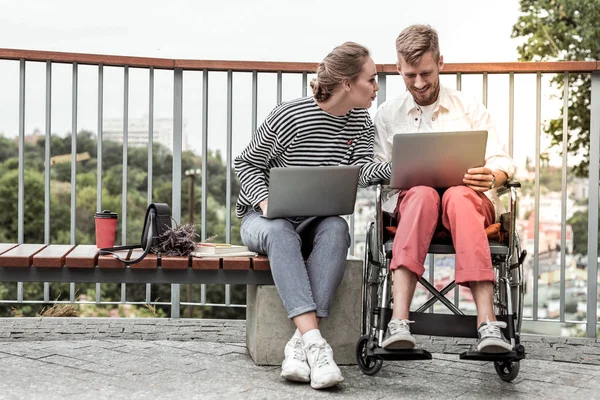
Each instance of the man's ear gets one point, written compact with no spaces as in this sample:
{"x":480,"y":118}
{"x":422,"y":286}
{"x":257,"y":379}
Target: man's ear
{"x":398,"y":67}
{"x":441,"y":63}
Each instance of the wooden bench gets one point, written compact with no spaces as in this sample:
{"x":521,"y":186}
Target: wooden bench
{"x":67,"y":263}
{"x":267,"y":325}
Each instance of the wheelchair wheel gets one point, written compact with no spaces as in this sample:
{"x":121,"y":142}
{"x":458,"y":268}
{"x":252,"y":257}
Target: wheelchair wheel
{"x":507,"y":370}
{"x":370,"y":281}
{"x":368,"y":365}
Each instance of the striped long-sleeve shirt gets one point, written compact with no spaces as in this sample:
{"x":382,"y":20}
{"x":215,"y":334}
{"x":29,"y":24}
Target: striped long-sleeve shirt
{"x":300,"y":133}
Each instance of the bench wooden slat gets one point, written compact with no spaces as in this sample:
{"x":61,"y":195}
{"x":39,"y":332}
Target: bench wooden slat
{"x":20,"y":256}
{"x":205,"y":263}
{"x":237,"y":263}
{"x":82,"y":256}
{"x":109,"y":261}
{"x":167,"y":262}
{"x":4,"y":247}
{"x":261,"y":263}
{"x":52,"y":256}
{"x":148,"y":262}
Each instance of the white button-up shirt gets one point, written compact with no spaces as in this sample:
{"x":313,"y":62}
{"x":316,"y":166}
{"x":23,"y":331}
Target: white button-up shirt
{"x":454,"y":111}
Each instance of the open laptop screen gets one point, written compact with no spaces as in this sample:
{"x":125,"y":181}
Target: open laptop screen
{"x":312,"y":191}
{"x":435,"y":159}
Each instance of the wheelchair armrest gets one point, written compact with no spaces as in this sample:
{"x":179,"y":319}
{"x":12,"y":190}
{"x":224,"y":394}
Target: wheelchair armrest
{"x":379,"y":181}
{"x":507,"y":186}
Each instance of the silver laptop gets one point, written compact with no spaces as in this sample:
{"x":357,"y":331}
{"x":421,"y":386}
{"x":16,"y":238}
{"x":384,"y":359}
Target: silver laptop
{"x":312,"y":191}
{"x":435,"y":159}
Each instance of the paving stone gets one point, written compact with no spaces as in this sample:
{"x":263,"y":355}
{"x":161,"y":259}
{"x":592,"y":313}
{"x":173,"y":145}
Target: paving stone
{"x":590,"y":360}
{"x":567,"y":357}
{"x":208,"y":359}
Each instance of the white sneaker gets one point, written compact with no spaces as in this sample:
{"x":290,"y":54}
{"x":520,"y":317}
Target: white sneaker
{"x":398,"y":336}
{"x":294,"y":367}
{"x":491,"y":338}
{"x":324,"y":372}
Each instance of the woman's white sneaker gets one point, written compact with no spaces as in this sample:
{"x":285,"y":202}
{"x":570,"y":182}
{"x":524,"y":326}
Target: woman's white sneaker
{"x":294,"y":367}
{"x":324,"y":372}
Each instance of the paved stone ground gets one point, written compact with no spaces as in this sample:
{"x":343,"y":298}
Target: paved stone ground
{"x":89,"y":359}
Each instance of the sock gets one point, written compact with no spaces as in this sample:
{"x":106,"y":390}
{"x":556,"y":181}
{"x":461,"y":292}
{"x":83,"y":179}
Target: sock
{"x":312,"y":336}
{"x":297,"y":334}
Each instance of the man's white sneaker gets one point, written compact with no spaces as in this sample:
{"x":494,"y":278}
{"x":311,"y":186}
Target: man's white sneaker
{"x":294,"y":367}
{"x":324,"y":372}
{"x":491,"y":338}
{"x":398,"y":336}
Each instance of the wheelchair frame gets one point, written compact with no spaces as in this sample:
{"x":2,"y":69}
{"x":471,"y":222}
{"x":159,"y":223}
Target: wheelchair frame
{"x":507,"y":261}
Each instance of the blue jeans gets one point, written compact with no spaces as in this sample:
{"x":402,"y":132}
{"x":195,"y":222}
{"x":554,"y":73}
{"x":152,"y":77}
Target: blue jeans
{"x":324,"y":242}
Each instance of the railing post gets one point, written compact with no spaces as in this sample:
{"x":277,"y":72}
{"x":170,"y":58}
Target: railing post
{"x":99,"y":137}
{"x":21,"y":188}
{"x":125,"y":154}
{"x":176,"y":193}
{"x":381,"y":81}
{"x":536,"y":207}
{"x":74,"y":101}
{"x":594,"y":172}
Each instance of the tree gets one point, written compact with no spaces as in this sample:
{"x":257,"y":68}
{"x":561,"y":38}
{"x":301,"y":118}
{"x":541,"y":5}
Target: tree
{"x":579,"y":224}
{"x":564,"y":30}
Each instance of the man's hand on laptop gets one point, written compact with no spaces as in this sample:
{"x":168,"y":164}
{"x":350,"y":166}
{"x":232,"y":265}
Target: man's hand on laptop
{"x":479,"y":179}
{"x":264,"y":205}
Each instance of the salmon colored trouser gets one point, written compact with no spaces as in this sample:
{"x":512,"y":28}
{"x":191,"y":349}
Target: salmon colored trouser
{"x":463,"y":212}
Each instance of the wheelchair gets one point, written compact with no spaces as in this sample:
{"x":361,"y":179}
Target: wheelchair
{"x":507,"y":261}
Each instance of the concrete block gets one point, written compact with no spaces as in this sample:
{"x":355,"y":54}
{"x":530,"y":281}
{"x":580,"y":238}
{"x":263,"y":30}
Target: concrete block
{"x":268,"y":329}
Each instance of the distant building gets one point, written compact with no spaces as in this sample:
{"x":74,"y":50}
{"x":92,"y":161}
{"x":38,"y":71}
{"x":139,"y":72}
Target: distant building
{"x":137,"y":133}
{"x":580,"y":189}
{"x":549,"y":235}
{"x":32,"y":138}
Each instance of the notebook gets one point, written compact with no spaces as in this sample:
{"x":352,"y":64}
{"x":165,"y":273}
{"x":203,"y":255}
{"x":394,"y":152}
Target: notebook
{"x":312,"y":191}
{"x":219,"y":248}
{"x":435,"y":159}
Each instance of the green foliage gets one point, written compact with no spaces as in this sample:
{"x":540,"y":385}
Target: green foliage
{"x":579,"y":224}
{"x":112,"y":197}
{"x":564,"y":30}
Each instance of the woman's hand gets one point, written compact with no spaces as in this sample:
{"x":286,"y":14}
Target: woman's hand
{"x":479,"y":179}
{"x":264,"y":205}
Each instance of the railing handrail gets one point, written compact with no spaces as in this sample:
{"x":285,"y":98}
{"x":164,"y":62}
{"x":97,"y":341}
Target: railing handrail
{"x":283,"y":66}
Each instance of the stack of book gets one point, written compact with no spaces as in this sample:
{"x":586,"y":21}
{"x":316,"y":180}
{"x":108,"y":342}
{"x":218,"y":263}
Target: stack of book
{"x":222,"y":250}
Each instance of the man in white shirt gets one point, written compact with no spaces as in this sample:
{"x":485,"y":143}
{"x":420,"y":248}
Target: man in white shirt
{"x":465,"y":211}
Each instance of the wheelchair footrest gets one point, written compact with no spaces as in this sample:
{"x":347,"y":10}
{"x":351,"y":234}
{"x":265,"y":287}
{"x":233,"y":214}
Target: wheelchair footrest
{"x":404,"y":354}
{"x":477,"y":355}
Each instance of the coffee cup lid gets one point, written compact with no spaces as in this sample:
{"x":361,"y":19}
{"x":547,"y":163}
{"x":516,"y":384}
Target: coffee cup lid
{"x":106,"y":214}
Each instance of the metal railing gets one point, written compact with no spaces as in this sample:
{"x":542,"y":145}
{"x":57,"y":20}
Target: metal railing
{"x":386,"y":74}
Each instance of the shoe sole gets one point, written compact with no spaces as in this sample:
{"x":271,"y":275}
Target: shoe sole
{"x":327,"y":384}
{"x":295,"y":377}
{"x":494,"y":349}
{"x":397,"y":344}
{"x":494,"y":346}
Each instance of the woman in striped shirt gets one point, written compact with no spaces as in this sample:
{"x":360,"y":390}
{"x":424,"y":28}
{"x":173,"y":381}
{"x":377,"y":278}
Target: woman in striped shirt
{"x":331,"y":127}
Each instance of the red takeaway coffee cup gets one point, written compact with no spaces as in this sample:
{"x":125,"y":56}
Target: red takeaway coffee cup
{"x":106,"y":228}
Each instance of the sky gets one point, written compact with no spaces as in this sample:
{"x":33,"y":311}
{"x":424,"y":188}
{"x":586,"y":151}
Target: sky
{"x":265,"y":30}
{"x":250,"y":30}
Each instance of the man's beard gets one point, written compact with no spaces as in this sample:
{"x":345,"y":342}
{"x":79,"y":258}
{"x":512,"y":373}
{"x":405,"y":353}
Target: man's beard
{"x":435,"y":91}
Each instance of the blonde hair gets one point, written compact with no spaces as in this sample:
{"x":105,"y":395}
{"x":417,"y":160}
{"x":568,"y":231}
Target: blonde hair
{"x":415,"y":41}
{"x":344,"y":62}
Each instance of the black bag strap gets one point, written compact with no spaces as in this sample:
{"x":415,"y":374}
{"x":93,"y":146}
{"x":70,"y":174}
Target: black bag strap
{"x":110,"y":250}
{"x":160,"y":212}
